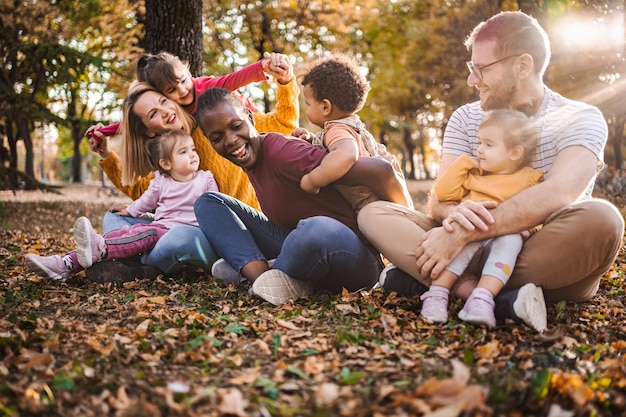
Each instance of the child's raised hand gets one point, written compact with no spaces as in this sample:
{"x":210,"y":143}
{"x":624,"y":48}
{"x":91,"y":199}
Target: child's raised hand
{"x":303,"y":134}
{"x":278,"y":66}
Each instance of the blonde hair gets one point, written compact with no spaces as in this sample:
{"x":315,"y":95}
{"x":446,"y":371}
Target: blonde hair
{"x":518,"y":130}
{"x":162,"y":147}
{"x":136,"y":161}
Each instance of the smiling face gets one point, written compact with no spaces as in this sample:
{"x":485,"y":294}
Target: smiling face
{"x":231,"y":132}
{"x":494,"y":156}
{"x":157,"y":112}
{"x":498,"y":87}
{"x":182,"y":92}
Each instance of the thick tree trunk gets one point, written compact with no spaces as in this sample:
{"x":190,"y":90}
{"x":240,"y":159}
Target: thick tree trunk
{"x":175,"y":27}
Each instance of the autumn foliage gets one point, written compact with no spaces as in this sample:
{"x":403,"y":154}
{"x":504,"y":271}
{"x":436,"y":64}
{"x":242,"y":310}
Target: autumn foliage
{"x":189,"y":345}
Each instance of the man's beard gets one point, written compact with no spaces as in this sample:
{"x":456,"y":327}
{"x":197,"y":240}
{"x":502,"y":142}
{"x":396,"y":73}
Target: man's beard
{"x":502,"y":94}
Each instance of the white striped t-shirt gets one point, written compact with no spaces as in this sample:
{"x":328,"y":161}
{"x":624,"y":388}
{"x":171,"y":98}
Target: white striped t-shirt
{"x":561,"y":122}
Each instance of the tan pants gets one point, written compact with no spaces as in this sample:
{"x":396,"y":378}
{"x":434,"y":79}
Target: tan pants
{"x":567,"y":257}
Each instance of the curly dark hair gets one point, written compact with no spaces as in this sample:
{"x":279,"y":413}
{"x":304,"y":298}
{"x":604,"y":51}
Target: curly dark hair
{"x":337,"y":79}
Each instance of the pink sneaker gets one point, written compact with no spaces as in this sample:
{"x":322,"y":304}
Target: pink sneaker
{"x":51,"y":267}
{"x":91,"y":246}
{"x":435,"y":305}
{"x":479,"y":308}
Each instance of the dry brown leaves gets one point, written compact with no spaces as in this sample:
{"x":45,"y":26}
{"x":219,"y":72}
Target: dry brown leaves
{"x":191,"y":346}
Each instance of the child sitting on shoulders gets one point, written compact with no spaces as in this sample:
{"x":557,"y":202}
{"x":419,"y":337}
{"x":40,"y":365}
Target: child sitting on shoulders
{"x":171,"y":194}
{"x":334,"y":91}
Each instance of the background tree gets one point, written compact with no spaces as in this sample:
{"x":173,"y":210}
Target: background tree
{"x":73,"y":66}
{"x":55,"y":53}
{"x":175,"y":27}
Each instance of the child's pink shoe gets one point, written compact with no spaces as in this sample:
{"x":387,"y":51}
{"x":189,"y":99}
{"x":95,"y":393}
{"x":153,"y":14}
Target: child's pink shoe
{"x":51,"y":267}
{"x":435,"y":305}
{"x":479,"y":308}
{"x":91,"y":246}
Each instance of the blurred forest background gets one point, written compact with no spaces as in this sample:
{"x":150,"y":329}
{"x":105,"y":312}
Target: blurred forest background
{"x":67,"y":64}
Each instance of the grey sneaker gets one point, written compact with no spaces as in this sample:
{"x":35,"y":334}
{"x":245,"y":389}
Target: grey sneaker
{"x":277,"y":287}
{"x":222,"y":270}
{"x":91,"y":246}
{"x":51,"y":267}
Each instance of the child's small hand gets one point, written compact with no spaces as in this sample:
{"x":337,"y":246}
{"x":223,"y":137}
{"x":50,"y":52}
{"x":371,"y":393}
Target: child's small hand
{"x":476,"y":163}
{"x":305,"y":184}
{"x":278,"y":66}
{"x":303,"y":134}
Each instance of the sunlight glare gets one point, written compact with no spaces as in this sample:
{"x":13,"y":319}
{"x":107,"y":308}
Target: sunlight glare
{"x":606,"y":32}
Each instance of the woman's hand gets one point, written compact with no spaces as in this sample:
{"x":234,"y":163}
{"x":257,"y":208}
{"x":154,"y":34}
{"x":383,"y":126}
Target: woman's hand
{"x":98,"y":142}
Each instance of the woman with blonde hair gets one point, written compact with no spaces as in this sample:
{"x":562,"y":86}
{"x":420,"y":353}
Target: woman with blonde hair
{"x":148,"y":113}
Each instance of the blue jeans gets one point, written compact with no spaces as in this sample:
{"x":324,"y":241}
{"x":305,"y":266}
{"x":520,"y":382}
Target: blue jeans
{"x":321,"y":249}
{"x":181,"y":245}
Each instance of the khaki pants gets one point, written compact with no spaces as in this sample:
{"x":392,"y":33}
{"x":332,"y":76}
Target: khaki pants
{"x":566,"y":257}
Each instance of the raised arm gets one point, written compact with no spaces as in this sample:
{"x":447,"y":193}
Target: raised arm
{"x":340,"y":158}
{"x":285,"y":117}
{"x":379,"y":176}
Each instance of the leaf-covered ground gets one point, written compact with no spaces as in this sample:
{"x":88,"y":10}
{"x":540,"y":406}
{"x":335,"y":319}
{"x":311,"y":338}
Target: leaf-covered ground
{"x":189,"y":345}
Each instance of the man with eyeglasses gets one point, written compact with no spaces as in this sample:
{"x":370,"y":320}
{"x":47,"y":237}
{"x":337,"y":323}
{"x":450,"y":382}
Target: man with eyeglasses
{"x":580,"y":236}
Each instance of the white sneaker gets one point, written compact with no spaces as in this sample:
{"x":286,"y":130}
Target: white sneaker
{"x":222,"y":270}
{"x":91,"y":246}
{"x":530,"y":307}
{"x":277,"y":287}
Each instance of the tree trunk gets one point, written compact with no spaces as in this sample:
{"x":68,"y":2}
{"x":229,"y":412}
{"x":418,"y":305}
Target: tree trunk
{"x":410,"y":148}
{"x":75,"y":131}
{"x":175,"y":27}
{"x":23,"y":132}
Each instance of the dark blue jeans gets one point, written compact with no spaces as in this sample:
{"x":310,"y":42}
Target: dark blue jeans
{"x":321,"y":249}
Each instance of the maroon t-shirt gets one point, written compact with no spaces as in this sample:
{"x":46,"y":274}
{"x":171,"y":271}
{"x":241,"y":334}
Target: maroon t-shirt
{"x":281,"y":163}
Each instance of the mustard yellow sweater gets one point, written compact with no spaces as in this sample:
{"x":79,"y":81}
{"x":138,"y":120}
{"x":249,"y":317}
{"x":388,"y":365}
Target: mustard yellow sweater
{"x":230,"y":178}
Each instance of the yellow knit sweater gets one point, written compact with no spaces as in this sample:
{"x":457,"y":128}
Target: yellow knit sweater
{"x":230,"y":178}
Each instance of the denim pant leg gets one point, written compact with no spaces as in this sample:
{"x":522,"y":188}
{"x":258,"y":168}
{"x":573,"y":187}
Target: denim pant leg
{"x":238,"y":233}
{"x":328,"y":253}
{"x":113,"y":221}
{"x":181,"y":245}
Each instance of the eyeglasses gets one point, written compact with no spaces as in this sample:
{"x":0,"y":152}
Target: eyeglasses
{"x":478,"y":71}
